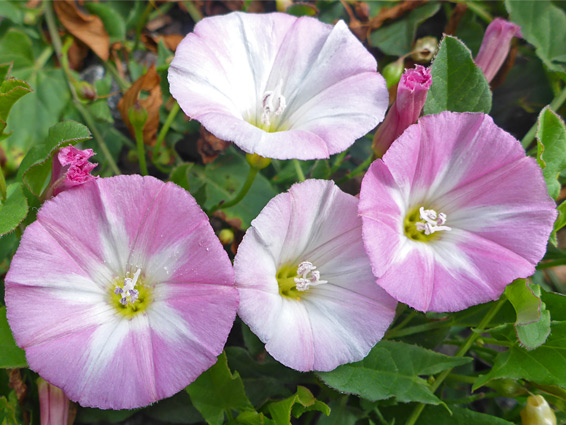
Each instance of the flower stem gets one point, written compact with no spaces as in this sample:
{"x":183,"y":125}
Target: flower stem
{"x":461,"y":351}
{"x":243,"y":191}
{"x":122,"y":83}
{"x":56,"y":40}
{"x":394,"y":333}
{"x":556,"y":103}
{"x":163,"y":132}
{"x":193,"y":10}
{"x":338,"y":161}
{"x":358,"y":170}
{"x":299,"y":170}
{"x":3,"y":190}
{"x":141,"y":151}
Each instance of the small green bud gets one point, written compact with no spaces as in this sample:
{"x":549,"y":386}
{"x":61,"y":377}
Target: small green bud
{"x":392,"y":72}
{"x":85,"y":91}
{"x":226,"y":236}
{"x":537,"y":412}
{"x":257,"y":162}
{"x":138,"y":116}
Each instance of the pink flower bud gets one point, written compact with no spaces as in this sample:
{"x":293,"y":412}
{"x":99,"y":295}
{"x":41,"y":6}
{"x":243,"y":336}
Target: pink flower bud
{"x":411,"y":97}
{"x":70,"y":168}
{"x":495,"y":46}
{"x":53,"y":404}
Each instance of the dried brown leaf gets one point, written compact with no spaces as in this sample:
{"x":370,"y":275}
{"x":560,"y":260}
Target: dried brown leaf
{"x":209,"y":146}
{"x":149,"y":82}
{"x":87,"y":28}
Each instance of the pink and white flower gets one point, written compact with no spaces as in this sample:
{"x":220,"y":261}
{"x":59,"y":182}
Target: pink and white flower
{"x":305,"y":283}
{"x":453,"y":213}
{"x":71,"y":167}
{"x":120,"y":293}
{"x":277,"y":85}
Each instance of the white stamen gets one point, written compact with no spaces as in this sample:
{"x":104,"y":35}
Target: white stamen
{"x":433,"y":222}
{"x":305,"y":281}
{"x":128,"y":289}
{"x":273,"y":104}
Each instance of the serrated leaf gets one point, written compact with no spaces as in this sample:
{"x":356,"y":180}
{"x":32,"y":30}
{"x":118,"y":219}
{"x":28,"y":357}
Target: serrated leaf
{"x":223,"y":178}
{"x":297,"y":404}
{"x":14,"y":209}
{"x":551,"y":148}
{"x":217,"y":391}
{"x":458,"y":85}
{"x":543,"y":24}
{"x":36,"y":165}
{"x":543,"y":365}
{"x":396,"y":39}
{"x":11,"y":91}
{"x":392,"y":369}
{"x":11,"y":356}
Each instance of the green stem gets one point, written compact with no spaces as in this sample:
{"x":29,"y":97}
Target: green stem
{"x":43,"y":57}
{"x":419,"y":328}
{"x":142,"y":22}
{"x":556,"y":103}
{"x":358,"y":170}
{"x":141,"y":151}
{"x":52,"y":27}
{"x":243,"y":191}
{"x":193,"y":11}
{"x":163,"y":132}
{"x":338,"y":162}
{"x":404,"y":323}
{"x":122,"y":83}
{"x":3,"y":189}
{"x":299,"y":170}
{"x":461,"y":351}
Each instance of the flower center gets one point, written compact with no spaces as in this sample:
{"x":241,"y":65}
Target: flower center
{"x":292,"y":283}
{"x":273,"y":103}
{"x":130,"y":295}
{"x":421,"y":225}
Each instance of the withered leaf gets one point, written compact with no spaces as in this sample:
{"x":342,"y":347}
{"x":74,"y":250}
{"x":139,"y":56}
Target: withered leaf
{"x":87,"y":28}
{"x":209,"y":146}
{"x":149,"y":82}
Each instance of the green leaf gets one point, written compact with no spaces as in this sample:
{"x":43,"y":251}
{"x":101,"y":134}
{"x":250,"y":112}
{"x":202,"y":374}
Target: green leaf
{"x":543,"y":24}
{"x":180,"y":177}
{"x":300,"y":402}
{"x":433,"y":415}
{"x":218,"y":391}
{"x":8,"y":411}
{"x":11,"y":356}
{"x":543,"y":365}
{"x":14,"y":209}
{"x":252,"y":418}
{"x":342,"y":414}
{"x":177,"y":409}
{"x":222,"y":180}
{"x":397,"y":38}
{"x":392,"y":369}
{"x":551,"y":150}
{"x":32,"y":116}
{"x":89,"y":415}
{"x":35,"y":168}
{"x":11,"y":91}
{"x":114,"y":24}
{"x":302,"y":9}
{"x":5,"y":69}
{"x":457,"y":83}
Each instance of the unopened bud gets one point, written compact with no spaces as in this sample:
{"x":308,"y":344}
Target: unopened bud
{"x":392,"y":72}
{"x":226,"y":236}
{"x":257,"y":162}
{"x":138,"y":115}
{"x":53,"y":404}
{"x":537,"y":412}
{"x":85,"y":91}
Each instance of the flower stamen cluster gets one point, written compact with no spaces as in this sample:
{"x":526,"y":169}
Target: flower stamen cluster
{"x":128,"y":291}
{"x":309,"y":276}
{"x":273,"y":103}
{"x":433,"y":222}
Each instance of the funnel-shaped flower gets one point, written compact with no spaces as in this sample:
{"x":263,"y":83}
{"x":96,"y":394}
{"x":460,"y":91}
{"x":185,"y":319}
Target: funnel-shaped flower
{"x":411,"y":97}
{"x":495,"y":46}
{"x":120,"y":293}
{"x":305,"y":283}
{"x":453,"y":213}
{"x":277,"y":85}
{"x":53,"y":404}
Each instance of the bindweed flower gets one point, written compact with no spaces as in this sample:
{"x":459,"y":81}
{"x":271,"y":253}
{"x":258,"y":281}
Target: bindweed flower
{"x":53,"y":404}
{"x":495,"y":46}
{"x":277,"y":85}
{"x":305,"y":283}
{"x":411,"y":97}
{"x":71,"y":167}
{"x":453,"y":213}
{"x":120,"y":293}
